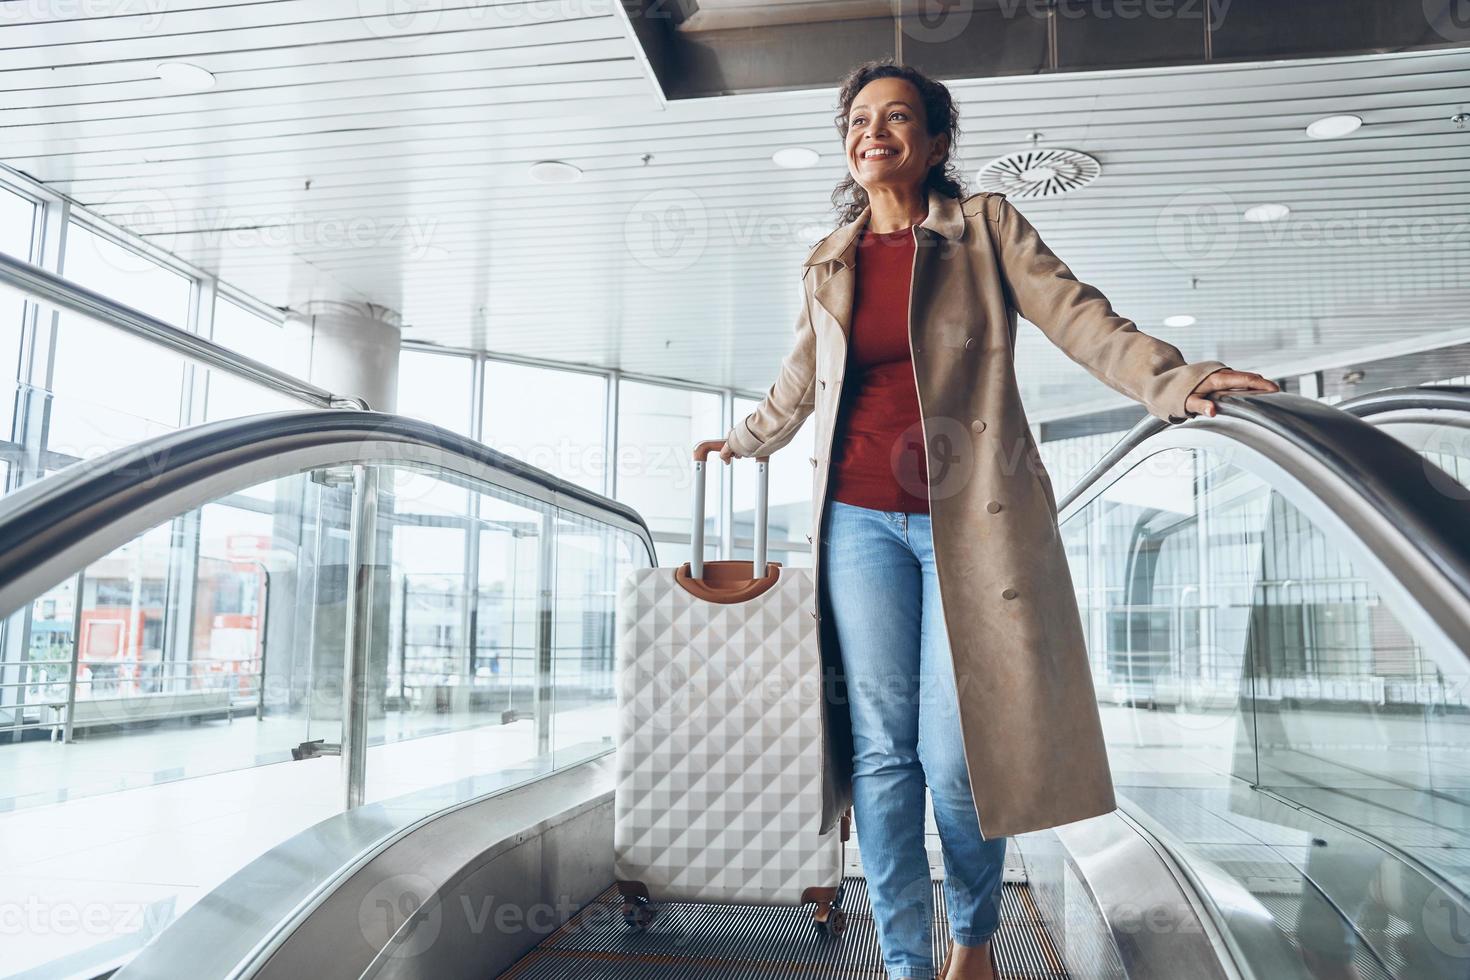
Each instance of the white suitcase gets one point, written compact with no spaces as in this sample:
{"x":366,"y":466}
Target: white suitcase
{"x":720,"y":741}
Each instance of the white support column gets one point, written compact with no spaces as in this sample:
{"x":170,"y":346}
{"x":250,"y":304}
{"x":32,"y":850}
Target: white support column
{"x":1310,"y":385}
{"x":354,"y":353}
{"x":477,"y":398}
{"x":610,"y":436}
{"x":354,"y":350}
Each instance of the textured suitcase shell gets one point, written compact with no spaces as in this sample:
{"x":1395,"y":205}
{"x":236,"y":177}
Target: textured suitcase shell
{"x":720,"y":744}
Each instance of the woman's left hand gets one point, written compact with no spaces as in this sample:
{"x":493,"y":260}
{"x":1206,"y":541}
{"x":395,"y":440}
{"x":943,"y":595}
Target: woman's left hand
{"x":1225,"y":379}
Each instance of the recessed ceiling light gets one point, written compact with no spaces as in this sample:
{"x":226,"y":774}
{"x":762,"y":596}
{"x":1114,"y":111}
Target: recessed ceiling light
{"x":1334,"y":127}
{"x":554,"y":172}
{"x":185,"y":77}
{"x":796,"y":157}
{"x":1180,"y":320}
{"x":1262,"y":213}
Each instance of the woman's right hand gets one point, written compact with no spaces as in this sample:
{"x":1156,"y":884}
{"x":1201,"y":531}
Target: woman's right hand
{"x":727,"y":454}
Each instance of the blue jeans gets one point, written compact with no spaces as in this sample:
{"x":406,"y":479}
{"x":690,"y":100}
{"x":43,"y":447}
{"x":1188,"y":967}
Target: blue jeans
{"x":883,"y":593}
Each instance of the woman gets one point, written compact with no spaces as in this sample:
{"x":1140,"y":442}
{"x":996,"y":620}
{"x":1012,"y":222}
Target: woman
{"x":904,"y":350}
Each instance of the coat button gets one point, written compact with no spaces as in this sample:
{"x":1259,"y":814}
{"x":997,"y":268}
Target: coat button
{"x":993,"y":506}
{"x":1008,"y":594}
{"x":977,"y":426}
{"x":969,"y":343}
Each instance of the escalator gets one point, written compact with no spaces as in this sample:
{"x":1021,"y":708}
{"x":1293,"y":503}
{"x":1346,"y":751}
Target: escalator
{"x":1277,"y":603}
{"x":1433,"y":420}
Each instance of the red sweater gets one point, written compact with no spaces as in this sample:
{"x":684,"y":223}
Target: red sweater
{"x":878,"y":455}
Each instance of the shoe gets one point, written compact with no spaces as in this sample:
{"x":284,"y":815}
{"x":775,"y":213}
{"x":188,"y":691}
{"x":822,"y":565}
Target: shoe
{"x":989,"y":955}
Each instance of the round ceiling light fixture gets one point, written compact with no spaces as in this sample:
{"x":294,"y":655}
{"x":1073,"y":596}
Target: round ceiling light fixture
{"x":1039,"y":173}
{"x":184,"y":77}
{"x":1334,"y":127}
{"x":1180,"y":320}
{"x":554,"y":172}
{"x":796,"y":157}
{"x":1262,"y":213}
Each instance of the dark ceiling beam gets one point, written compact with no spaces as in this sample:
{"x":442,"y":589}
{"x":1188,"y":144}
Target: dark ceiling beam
{"x":990,"y":38}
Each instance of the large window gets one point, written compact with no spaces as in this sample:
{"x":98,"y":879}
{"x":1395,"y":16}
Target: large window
{"x":112,"y":388}
{"x":103,"y":265}
{"x":213,"y":641}
{"x":17,"y":222}
{"x":259,"y":338}
{"x":437,"y":388}
{"x":790,"y":496}
{"x":658,"y":426}
{"x":554,"y":420}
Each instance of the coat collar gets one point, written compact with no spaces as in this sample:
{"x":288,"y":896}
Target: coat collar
{"x":944,"y":218}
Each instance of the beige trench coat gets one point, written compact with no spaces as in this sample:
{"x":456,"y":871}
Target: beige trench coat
{"x":1028,"y":714}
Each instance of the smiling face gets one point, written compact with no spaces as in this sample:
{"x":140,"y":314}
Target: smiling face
{"x":888,"y":144}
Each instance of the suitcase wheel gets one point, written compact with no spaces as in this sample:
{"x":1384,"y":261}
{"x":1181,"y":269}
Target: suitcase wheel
{"x":639,"y":915}
{"x":833,"y":924}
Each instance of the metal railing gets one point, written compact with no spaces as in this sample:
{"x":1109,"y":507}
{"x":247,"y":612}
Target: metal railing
{"x":58,"y":526}
{"x":1339,"y":448}
{"x":1440,"y":398}
{"x":49,"y":289}
{"x":1394,"y":538}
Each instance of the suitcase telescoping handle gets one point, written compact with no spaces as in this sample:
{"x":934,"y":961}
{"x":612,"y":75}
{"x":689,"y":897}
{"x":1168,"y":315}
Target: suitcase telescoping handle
{"x":762,"y":487}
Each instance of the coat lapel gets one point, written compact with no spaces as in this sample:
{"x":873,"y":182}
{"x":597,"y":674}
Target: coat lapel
{"x":835,"y":292}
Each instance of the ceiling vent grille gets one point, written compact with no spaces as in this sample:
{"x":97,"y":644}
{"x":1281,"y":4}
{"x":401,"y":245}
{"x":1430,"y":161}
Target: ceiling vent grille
{"x":1039,"y":173}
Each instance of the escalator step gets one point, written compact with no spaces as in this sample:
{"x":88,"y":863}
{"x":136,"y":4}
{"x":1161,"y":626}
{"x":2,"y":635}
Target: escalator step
{"x":745,"y":941}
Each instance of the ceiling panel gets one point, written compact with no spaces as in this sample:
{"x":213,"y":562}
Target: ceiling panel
{"x":383,"y":155}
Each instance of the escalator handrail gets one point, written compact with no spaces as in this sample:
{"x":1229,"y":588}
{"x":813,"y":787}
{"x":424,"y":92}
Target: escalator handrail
{"x":1365,"y":469}
{"x":1394,"y":479}
{"x":1450,"y":398}
{"x":81,"y":501}
{"x":1144,"y":429}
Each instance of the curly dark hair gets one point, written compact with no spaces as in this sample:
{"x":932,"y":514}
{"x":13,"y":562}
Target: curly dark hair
{"x":941,"y":115}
